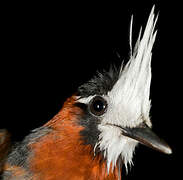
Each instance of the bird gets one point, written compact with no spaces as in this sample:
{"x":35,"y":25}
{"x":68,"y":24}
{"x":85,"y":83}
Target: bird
{"x":97,"y":129}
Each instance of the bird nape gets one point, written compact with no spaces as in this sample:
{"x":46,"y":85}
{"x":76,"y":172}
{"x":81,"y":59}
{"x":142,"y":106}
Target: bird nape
{"x":96,"y":131}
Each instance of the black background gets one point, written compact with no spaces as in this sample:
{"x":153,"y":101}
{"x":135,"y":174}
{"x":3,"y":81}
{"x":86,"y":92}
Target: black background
{"x":48,"y":50}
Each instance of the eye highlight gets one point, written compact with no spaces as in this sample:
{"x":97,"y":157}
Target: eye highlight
{"x":98,"y":106}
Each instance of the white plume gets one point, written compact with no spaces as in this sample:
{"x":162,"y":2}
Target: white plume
{"x":128,"y":101}
{"x":132,"y":89}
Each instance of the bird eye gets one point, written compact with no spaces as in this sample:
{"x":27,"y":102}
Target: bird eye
{"x":98,"y":106}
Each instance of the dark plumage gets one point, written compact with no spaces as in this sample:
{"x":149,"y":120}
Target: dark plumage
{"x":100,"y":84}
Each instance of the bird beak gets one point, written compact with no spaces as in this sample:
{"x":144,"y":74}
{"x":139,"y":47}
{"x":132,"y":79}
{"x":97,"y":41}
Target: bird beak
{"x":147,"y":137}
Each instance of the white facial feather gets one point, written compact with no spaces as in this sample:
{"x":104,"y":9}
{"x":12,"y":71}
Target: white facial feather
{"x":114,"y":144}
{"x":128,"y":101}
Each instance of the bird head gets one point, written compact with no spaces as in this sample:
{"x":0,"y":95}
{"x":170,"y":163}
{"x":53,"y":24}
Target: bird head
{"x":116,"y":104}
{"x":108,"y":116}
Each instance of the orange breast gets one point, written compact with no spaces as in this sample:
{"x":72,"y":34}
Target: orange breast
{"x":62,"y":155}
{"x":68,"y":162}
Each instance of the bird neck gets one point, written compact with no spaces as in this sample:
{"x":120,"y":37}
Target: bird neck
{"x":63,"y":155}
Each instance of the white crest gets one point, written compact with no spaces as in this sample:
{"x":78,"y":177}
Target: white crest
{"x":132,"y":90}
{"x":128,"y":101}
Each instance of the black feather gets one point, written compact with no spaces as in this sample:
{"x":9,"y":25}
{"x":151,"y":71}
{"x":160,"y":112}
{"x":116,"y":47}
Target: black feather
{"x":100,"y":84}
